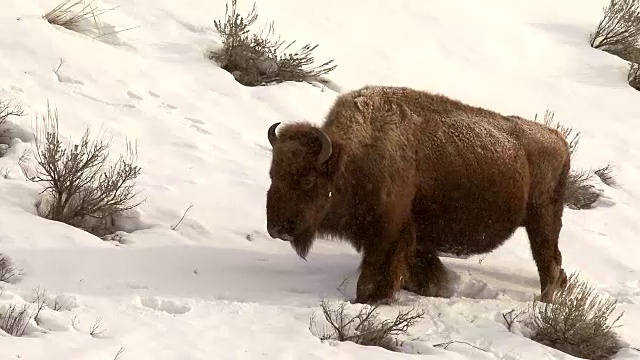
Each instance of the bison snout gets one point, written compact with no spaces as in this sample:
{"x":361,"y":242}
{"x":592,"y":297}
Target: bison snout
{"x":282,"y":231}
{"x":274,"y":231}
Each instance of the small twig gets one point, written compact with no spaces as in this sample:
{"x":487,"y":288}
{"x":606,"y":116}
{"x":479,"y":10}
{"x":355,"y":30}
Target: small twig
{"x":93,"y":330}
{"x":510,"y":318}
{"x":182,"y":218}
{"x":342,"y":285}
{"x":120,"y":351}
{"x":74,"y":321}
{"x":56,"y":70}
{"x":444,"y":345}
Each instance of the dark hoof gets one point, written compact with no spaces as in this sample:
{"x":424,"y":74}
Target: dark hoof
{"x":373,"y":300}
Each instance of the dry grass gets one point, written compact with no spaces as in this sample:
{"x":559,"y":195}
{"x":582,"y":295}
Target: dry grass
{"x":365,"y":327}
{"x":81,"y":16}
{"x":257,"y":59}
{"x":81,"y":189}
{"x":577,"y":323}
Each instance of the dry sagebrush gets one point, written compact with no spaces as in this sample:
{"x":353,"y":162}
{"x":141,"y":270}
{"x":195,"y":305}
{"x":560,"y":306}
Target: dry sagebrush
{"x":82,"y":190}
{"x":618,"y":33}
{"x":365,"y":327}
{"x":256,"y":59}
{"x":578,"y":322}
{"x":580,"y":193}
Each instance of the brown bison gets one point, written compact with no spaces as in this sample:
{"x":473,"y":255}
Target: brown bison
{"x":404,"y":174}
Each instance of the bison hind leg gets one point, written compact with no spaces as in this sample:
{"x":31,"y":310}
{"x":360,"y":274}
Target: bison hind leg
{"x":543,"y":225}
{"x":427,"y":275}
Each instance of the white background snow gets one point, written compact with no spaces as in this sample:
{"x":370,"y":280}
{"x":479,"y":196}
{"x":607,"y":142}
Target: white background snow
{"x":218,"y":287}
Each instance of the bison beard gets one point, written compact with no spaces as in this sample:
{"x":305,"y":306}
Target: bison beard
{"x":302,"y":245}
{"x":415,"y":174}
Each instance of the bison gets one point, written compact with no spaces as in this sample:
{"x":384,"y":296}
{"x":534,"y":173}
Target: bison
{"x":404,"y":174}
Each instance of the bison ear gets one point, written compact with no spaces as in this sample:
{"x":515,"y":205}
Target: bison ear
{"x":335,"y":162}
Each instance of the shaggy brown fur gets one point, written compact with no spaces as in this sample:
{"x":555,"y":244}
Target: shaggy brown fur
{"x":403,"y":174}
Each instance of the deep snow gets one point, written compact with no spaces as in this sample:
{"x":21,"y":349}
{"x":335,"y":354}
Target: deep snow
{"x":218,"y":287}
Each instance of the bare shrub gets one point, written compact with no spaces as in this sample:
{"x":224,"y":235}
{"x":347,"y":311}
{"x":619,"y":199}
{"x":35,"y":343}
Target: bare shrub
{"x":618,"y":33}
{"x":81,"y":16}
{"x":365,"y":327}
{"x":14,"y":321}
{"x":577,"y":322}
{"x":257,"y":59}
{"x":633,"y":78}
{"x":579,"y":194}
{"x":619,"y":29}
{"x":7,"y":109}
{"x":82,"y":190}
{"x":7,"y":270}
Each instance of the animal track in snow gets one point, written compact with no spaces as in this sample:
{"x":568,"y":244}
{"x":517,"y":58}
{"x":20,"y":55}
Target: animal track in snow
{"x":197,"y":124}
{"x":169,"y":106}
{"x":136,"y":97}
{"x":167,"y":305}
{"x":133,"y":95}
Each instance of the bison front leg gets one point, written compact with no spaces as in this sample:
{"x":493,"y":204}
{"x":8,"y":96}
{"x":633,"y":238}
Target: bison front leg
{"x":384,"y":267}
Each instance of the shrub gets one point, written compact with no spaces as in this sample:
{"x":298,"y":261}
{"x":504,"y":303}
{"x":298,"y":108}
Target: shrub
{"x":82,"y":190}
{"x":580,"y":193}
{"x":633,"y":78}
{"x":7,"y":270}
{"x":14,"y":321}
{"x":618,"y":33}
{"x":7,"y":109}
{"x":577,"y":322}
{"x":365,"y":327}
{"x":256,"y":59}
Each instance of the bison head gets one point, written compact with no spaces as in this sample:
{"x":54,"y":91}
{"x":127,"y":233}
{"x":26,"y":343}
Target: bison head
{"x":302,"y":172}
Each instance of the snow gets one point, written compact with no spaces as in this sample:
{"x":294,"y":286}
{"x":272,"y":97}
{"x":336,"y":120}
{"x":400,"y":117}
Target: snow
{"x":218,"y":287}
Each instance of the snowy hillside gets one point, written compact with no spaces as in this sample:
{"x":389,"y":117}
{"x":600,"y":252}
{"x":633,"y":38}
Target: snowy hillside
{"x":218,"y":287}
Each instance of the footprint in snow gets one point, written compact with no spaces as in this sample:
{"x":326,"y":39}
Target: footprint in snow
{"x":133,"y":96}
{"x":197,"y":125}
{"x":167,"y":305}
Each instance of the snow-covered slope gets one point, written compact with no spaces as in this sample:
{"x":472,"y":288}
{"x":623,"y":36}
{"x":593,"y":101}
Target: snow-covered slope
{"x":218,"y":287}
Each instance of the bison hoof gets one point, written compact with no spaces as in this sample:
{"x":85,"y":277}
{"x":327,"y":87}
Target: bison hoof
{"x":373,"y":301}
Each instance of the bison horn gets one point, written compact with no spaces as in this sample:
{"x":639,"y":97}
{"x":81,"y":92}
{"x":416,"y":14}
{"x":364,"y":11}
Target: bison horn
{"x":271,"y":134}
{"x":325,"y":153}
